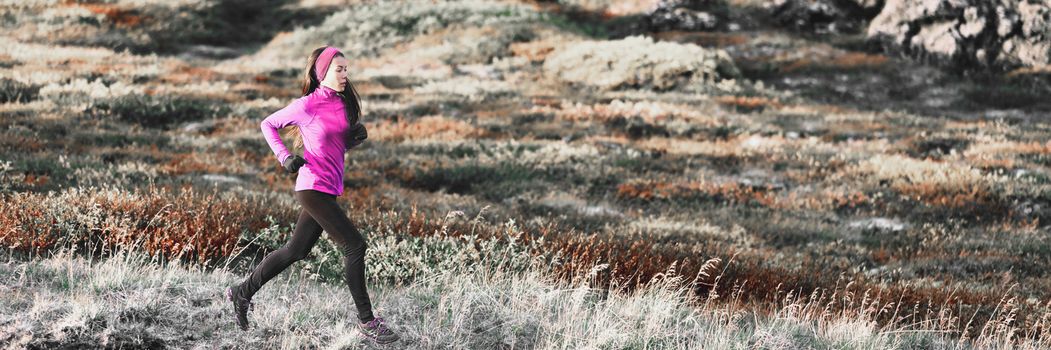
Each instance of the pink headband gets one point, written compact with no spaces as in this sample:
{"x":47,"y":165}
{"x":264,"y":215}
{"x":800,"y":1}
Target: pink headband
{"x":323,"y":60}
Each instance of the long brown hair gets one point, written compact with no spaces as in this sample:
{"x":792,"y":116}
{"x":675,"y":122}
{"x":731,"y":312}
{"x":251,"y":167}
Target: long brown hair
{"x":351,"y":101}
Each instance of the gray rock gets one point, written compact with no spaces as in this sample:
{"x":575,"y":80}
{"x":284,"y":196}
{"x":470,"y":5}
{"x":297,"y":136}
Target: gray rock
{"x":599,"y":210}
{"x":566,"y":201}
{"x":220,"y":178}
{"x":639,"y":62}
{"x":760,"y":179}
{"x":205,"y":126}
{"x":868,"y":5}
{"x":878,"y":224}
{"x":688,"y":15}
{"x":824,"y":16}
{"x":970,"y":33}
{"x":1001,"y":34}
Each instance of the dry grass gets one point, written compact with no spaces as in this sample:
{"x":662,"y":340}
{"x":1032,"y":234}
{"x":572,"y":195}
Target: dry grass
{"x":839,"y":61}
{"x":122,"y":17}
{"x":433,"y":127}
{"x":726,"y":192}
{"x":175,"y":223}
{"x":748,"y":104}
{"x":936,"y":183}
{"x":758,"y":193}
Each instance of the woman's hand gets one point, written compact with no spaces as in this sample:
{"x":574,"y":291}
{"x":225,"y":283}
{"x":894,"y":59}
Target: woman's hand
{"x":358,"y":134}
{"x":293,"y":163}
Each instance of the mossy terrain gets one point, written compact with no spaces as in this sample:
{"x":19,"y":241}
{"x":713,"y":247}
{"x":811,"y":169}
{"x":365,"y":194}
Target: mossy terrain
{"x":809,"y":191}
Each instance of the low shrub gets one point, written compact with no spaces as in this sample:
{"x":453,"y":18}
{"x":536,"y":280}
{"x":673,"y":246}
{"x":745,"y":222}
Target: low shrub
{"x":173,"y":223}
{"x":158,"y":111}
{"x":15,"y":91}
{"x":494,"y":182}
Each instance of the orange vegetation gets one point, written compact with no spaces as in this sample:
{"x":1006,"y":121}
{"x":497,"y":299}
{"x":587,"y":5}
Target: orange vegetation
{"x":172,"y":223}
{"x":748,"y":103}
{"x":425,"y":128}
{"x":120,"y":16}
{"x":727,"y":191}
{"x":535,"y":51}
{"x":847,"y":60}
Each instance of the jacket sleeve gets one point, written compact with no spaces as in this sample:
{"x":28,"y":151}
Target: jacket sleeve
{"x":293,"y":114}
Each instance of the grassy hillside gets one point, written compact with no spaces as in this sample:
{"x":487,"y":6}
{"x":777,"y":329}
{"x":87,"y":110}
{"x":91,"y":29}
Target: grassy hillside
{"x":132,"y":301}
{"x":811,"y":191}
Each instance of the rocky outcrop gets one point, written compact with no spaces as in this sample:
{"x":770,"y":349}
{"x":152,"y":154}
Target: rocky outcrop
{"x":824,"y":16}
{"x":688,"y":15}
{"x":973,"y":33}
{"x":962,"y":33}
{"x":639,"y":62}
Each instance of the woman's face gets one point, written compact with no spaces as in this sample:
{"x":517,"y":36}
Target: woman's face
{"x":336,"y":78}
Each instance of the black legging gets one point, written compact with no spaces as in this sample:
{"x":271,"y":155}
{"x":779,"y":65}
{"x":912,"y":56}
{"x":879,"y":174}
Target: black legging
{"x":320,"y":211}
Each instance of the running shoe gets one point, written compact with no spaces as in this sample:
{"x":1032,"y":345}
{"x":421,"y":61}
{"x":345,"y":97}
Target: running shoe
{"x":377,"y":331}
{"x":241,"y":307}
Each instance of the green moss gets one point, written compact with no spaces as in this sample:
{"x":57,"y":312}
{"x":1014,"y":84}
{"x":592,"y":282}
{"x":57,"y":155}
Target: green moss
{"x":15,"y":91}
{"x":114,"y":139}
{"x":491,"y":182}
{"x":1006,"y":96}
{"x":458,"y":151}
{"x":593,"y":30}
{"x":158,"y":111}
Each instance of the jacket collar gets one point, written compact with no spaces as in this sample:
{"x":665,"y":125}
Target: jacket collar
{"x":326,"y":92}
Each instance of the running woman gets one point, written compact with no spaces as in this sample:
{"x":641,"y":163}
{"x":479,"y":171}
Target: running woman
{"x":325,"y":123}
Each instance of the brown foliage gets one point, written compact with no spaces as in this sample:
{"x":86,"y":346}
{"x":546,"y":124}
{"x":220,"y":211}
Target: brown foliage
{"x":122,"y":17}
{"x":748,"y":104}
{"x":159,"y":220}
{"x":730,"y":192}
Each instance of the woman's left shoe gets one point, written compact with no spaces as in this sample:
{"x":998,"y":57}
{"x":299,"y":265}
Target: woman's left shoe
{"x":377,"y":331}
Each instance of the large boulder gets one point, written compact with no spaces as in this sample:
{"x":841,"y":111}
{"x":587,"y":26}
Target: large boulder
{"x":639,"y":62}
{"x":981,"y":33}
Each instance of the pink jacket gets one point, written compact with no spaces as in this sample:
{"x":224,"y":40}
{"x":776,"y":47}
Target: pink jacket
{"x":322,"y":122}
